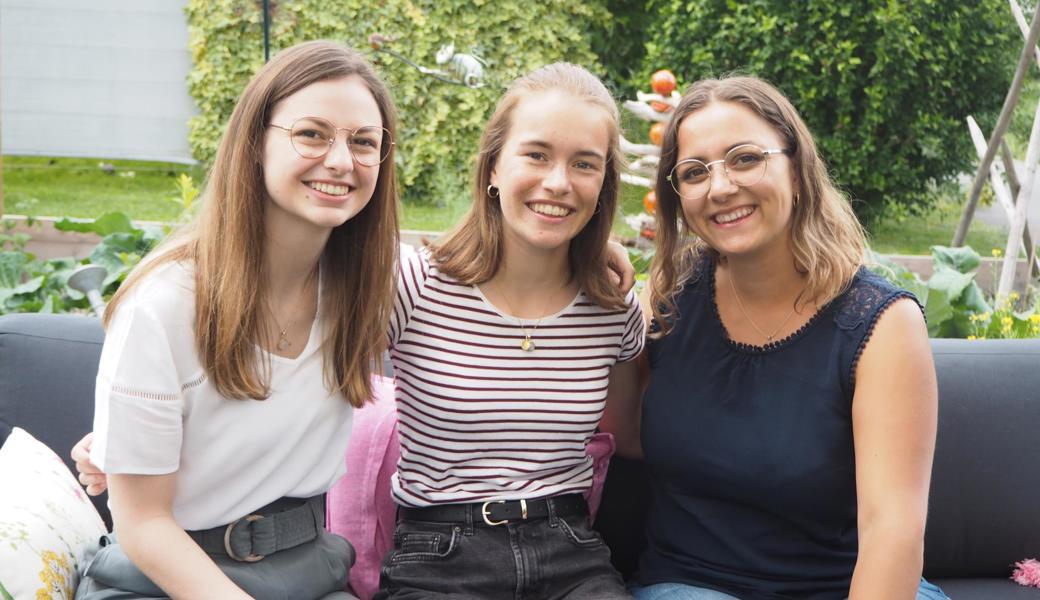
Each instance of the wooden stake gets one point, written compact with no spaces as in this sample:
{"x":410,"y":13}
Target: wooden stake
{"x":1003,"y":121}
{"x":1018,"y":219}
{"x":1004,"y":195}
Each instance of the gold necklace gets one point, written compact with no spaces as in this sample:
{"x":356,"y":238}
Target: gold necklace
{"x":769,"y":337}
{"x":283,"y":342}
{"x":527,"y":344}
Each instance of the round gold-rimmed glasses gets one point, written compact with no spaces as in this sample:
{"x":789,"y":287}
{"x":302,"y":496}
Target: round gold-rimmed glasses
{"x":745,"y":165}
{"x":312,"y":137}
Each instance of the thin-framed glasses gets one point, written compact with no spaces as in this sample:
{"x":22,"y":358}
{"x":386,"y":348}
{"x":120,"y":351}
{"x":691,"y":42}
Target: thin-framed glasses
{"x":745,"y":165}
{"x":312,"y":137}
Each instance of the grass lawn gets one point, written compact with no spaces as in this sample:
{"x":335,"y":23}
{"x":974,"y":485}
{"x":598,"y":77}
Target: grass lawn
{"x":78,"y":187}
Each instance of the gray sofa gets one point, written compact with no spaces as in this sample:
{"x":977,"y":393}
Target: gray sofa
{"x":985,"y":498}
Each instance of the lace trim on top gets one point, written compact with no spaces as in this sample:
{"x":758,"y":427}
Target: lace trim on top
{"x":123,"y":390}
{"x":870,"y":330}
{"x":752,"y":348}
{"x":130,"y":392}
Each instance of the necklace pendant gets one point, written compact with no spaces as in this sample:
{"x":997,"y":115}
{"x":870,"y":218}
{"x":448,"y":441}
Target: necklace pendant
{"x":527,"y":345}
{"x":283,"y":343}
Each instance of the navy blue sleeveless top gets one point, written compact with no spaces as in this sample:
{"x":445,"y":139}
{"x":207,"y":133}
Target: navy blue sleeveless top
{"x":750,"y":448}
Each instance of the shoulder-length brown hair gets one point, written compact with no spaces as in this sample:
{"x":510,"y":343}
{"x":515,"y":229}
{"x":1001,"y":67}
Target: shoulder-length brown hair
{"x":226,"y":242}
{"x":472,"y":251}
{"x":827,"y":239}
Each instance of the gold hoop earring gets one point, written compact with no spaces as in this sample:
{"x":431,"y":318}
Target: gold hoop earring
{"x":492,"y":191}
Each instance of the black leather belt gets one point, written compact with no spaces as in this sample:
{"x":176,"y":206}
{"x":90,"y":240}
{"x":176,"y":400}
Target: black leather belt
{"x":283,"y":524}
{"x":498,"y":512}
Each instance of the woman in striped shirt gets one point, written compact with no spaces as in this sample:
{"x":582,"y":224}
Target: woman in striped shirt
{"x":503,"y":340}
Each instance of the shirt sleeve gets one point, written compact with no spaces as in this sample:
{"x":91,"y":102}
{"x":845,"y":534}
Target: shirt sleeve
{"x":138,"y":412}
{"x":635,"y":330}
{"x":413,"y":268}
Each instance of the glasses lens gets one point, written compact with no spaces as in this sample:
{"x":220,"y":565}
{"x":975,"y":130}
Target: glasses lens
{"x":746,"y":165}
{"x":311,"y":137}
{"x":691,"y":179}
{"x":370,"y":145}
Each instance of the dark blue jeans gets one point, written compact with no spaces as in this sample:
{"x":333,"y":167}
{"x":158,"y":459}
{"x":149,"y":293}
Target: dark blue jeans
{"x":552,"y":558}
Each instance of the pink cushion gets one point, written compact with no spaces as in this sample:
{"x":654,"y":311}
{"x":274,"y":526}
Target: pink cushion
{"x":360,"y":507}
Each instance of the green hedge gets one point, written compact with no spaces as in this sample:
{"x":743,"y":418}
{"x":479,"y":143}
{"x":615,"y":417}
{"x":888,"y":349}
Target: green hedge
{"x":440,"y":123}
{"x":885,"y":86}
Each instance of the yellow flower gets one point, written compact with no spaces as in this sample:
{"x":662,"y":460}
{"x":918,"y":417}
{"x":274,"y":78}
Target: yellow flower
{"x":1034,"y":319}
{"x":1013,"y":296}
{"x":984,"y":316}
{"x":56,"y":577}
{"x":997,"y":252}
{"x":971,"y":337}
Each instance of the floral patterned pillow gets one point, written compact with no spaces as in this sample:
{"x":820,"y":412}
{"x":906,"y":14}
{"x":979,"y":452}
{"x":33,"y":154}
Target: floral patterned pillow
{"x":46,"y":520}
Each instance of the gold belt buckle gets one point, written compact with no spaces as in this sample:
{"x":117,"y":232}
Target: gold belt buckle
{"x":227,"y":540}
{"x":487,"y":513}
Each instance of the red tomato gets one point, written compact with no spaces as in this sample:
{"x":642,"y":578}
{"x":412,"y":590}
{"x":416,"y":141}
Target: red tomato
{"x":657,"y":133}
{"x":663,"y":82}
{"x":650,"y":202}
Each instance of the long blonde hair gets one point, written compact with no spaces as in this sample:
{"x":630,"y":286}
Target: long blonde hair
{"x":472,"y":251}
{"x":827,"y":240}
{"x":226,"y":243}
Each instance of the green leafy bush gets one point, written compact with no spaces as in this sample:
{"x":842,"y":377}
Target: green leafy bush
{"x":885,"y":86}
{"x":954,"y":304}
{"x":31,"y":285}
{"x":440,"y":123}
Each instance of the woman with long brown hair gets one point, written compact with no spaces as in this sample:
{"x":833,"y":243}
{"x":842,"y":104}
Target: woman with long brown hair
{"x":235,"y":356}
{"x":790,"y":417}
{"x":504,"y":338}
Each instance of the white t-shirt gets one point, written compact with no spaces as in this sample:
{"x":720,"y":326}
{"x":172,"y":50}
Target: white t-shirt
{"x":157,"y":412}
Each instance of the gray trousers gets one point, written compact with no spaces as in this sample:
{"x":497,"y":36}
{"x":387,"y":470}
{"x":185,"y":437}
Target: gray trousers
{"x":315,"y":570}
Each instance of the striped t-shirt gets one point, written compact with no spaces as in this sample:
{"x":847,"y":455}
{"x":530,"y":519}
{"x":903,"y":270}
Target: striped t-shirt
{"x":478,"y":417}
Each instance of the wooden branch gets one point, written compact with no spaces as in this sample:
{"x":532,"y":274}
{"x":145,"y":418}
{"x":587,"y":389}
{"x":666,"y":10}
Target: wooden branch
{"x":643,"y":111}
{"x":1023,"y":26}
{"x":1012,"y":178}
{"x":1018,"y":220}
{"x":639,"y":149}
{"x":1001,"y":190}
{"x":1003,"y":121}
{"x":637,"y":180}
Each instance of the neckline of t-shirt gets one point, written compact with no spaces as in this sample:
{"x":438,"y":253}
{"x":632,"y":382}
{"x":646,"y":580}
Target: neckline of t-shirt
{"x":312,"y":337}
{"x":528,"y":322}
{"x":753,"y":348}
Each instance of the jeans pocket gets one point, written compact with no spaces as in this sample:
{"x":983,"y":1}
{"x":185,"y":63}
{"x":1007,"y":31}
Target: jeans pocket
{"x":424,"y":542}
{"x":578,"y":531}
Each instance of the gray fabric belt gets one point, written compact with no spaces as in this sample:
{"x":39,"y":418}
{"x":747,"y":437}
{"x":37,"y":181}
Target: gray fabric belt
{"x":283,"y":524}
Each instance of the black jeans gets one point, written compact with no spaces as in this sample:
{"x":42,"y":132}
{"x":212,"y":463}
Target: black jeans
{"x":552,"y":558}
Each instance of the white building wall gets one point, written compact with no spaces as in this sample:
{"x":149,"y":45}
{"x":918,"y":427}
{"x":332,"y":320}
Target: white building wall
{"x":95,"y":78}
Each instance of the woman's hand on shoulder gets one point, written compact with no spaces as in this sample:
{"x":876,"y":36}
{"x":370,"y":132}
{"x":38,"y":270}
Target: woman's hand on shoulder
{"x":620,"y":266}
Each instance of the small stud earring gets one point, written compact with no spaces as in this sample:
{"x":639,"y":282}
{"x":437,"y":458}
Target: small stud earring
{"x":492,"y":191}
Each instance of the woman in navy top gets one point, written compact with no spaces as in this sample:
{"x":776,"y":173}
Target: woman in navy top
{"x":789,"y":422}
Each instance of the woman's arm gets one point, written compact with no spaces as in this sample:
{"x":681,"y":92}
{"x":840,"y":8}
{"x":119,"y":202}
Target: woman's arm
{"x":623,"y":414}
{"x":894,"y":413}
{"x":143,"y":517}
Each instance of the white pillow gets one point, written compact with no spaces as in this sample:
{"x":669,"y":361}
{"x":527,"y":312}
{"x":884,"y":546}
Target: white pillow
{"x":46,"y":520}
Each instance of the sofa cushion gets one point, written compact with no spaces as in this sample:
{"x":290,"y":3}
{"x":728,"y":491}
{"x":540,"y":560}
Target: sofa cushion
{"x":984,"y":504}
{"x":48,"y":364}
{"x":46,"y":521}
